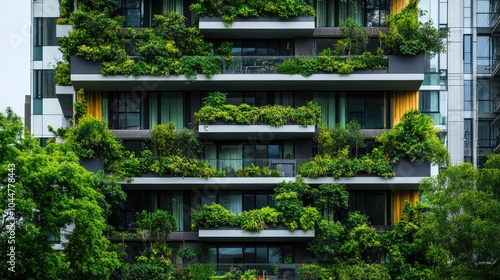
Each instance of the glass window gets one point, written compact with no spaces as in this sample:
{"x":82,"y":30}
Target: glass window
{"x":325,"y":13}
{"x":353,"y":9}
{"x":483,"y":54}
{"x":429,"y":101}
{"x":468,"y":95}
{"x":231,"y":200}
{"x":371,"y":203}
{"x":44,"y":84}
{"x":44,"y":32}
{"x":467,"y":54}
{"x":484,"y":139}
{"x":229,"y":254}
{"x":172,"y":108}
{"x":368,"y":109}
{"x":484,"y":97}
{"x":124,"y":110}
{"x":468,"y":134}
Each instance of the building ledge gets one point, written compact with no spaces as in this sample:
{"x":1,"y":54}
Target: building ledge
{"x":241,"y":131}
{"x":224,"y":234}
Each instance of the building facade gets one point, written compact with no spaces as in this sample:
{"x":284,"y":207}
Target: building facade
{"x":132,"y":105}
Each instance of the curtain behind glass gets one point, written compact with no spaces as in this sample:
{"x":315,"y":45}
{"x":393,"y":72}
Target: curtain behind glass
{"x":231,"y":156}
{"x":172,"y":109}
{"x":327,"y":103}
{"x":178,"y":209}
{"x":232,"y":201}
{"x":173,"y":6}
{"x":352,"y":9}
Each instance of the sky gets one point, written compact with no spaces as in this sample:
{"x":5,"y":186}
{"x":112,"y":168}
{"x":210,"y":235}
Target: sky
{"x":15,"y":44}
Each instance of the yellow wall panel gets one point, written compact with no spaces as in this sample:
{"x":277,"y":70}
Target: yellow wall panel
{"x":403,"y":101}
{"x":400,"y":196}
{"x":398,"y":5}
{"x":94,"y":101}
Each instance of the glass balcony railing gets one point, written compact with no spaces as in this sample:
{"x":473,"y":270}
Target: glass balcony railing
{"x":285,"y":167}
{"x":253,"y":64}
{"x":438,"y":118}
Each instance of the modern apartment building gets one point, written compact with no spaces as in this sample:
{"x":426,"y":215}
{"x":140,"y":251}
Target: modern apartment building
{"x":440,"y":87}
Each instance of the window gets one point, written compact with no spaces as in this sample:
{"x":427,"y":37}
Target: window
{"x":368,"y":109}
{"x":223,"y":256}
{"x":484,"y":97}
{"x":329,"y":13}
{"x":44,"y":84}
{"x":166,"y":107}
{"x":133,"y":11}
{"x":374,"y":204}
{"x":171,"y":201}
{"x":239,"y":201}
{"x":124,"y":110}
{"x":231,"y":157}
{"x":484,"y":137}
{"x":468,"y":140}
{"x":44,"y":32}
{"x":468,"y":95}
{"x":483,"y":54}
{"x":467,"y":55}
{"x":429,"y":104}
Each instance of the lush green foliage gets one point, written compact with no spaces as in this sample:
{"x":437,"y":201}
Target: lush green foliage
{"x":52,"y":191}
{"x":229,"y":10}
{"x":259,"y":219}
{"x":329,"y":63}
{"x":91,"y":138}
{"x":215,"y":109}
{"x":408,"y":36}
{"x":355,"y":35}
{"x":213,"y":215}
{"x":186,"y":253}
{"x":158,"y":224}
{"x":464,"y":214}
{"x":168,"y":141}
{"x":414,"y":138}
{"x":257,"y":171}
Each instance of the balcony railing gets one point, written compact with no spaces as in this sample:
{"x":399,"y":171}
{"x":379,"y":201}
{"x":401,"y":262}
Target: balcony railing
{"x":263,"y":270}
{"x":285,"y":167}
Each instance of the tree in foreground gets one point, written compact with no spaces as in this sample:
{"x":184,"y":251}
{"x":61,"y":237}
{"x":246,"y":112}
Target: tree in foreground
{"x":43,"y":192}
{"x":464,"y":218}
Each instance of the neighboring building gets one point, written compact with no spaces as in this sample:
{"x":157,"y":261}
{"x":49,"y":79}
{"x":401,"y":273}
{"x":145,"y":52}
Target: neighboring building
{"x":133,"y":105}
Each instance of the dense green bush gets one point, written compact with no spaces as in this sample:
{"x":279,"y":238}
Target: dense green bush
{"x":214,"y":109}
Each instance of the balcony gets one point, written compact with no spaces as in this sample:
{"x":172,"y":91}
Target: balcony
{"x":257,"y":73}
{"x":235,"y":234}
{"x":257,"y":27}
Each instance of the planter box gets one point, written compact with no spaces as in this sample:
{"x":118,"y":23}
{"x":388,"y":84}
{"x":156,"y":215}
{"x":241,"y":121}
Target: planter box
{"x":406,"y":64}
{"x":242,"y":131}
{"x":92,"y":164}
{"x":81,"y":66}
{"x":406,"y":168}
{"x":236,"y":234}
{"x":258,"y":27}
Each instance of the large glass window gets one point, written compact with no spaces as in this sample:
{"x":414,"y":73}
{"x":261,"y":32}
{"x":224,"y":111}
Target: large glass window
{"x":484,"y":137}
{"x":44,"y":84}
{"x":484,"y":96}
{"x":44,"y":32}
{"x":151,"y":201}
{"x":231,"y":157}
{"x":124,"y":110}
{"x":238,"y":201}
{"x":374,"y":204}
{"x":368,"y":109}
{"x":484,"y":54}
{"x":223,"y":256}
{"x":429,"y":104}
{"x":329,"y":13}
